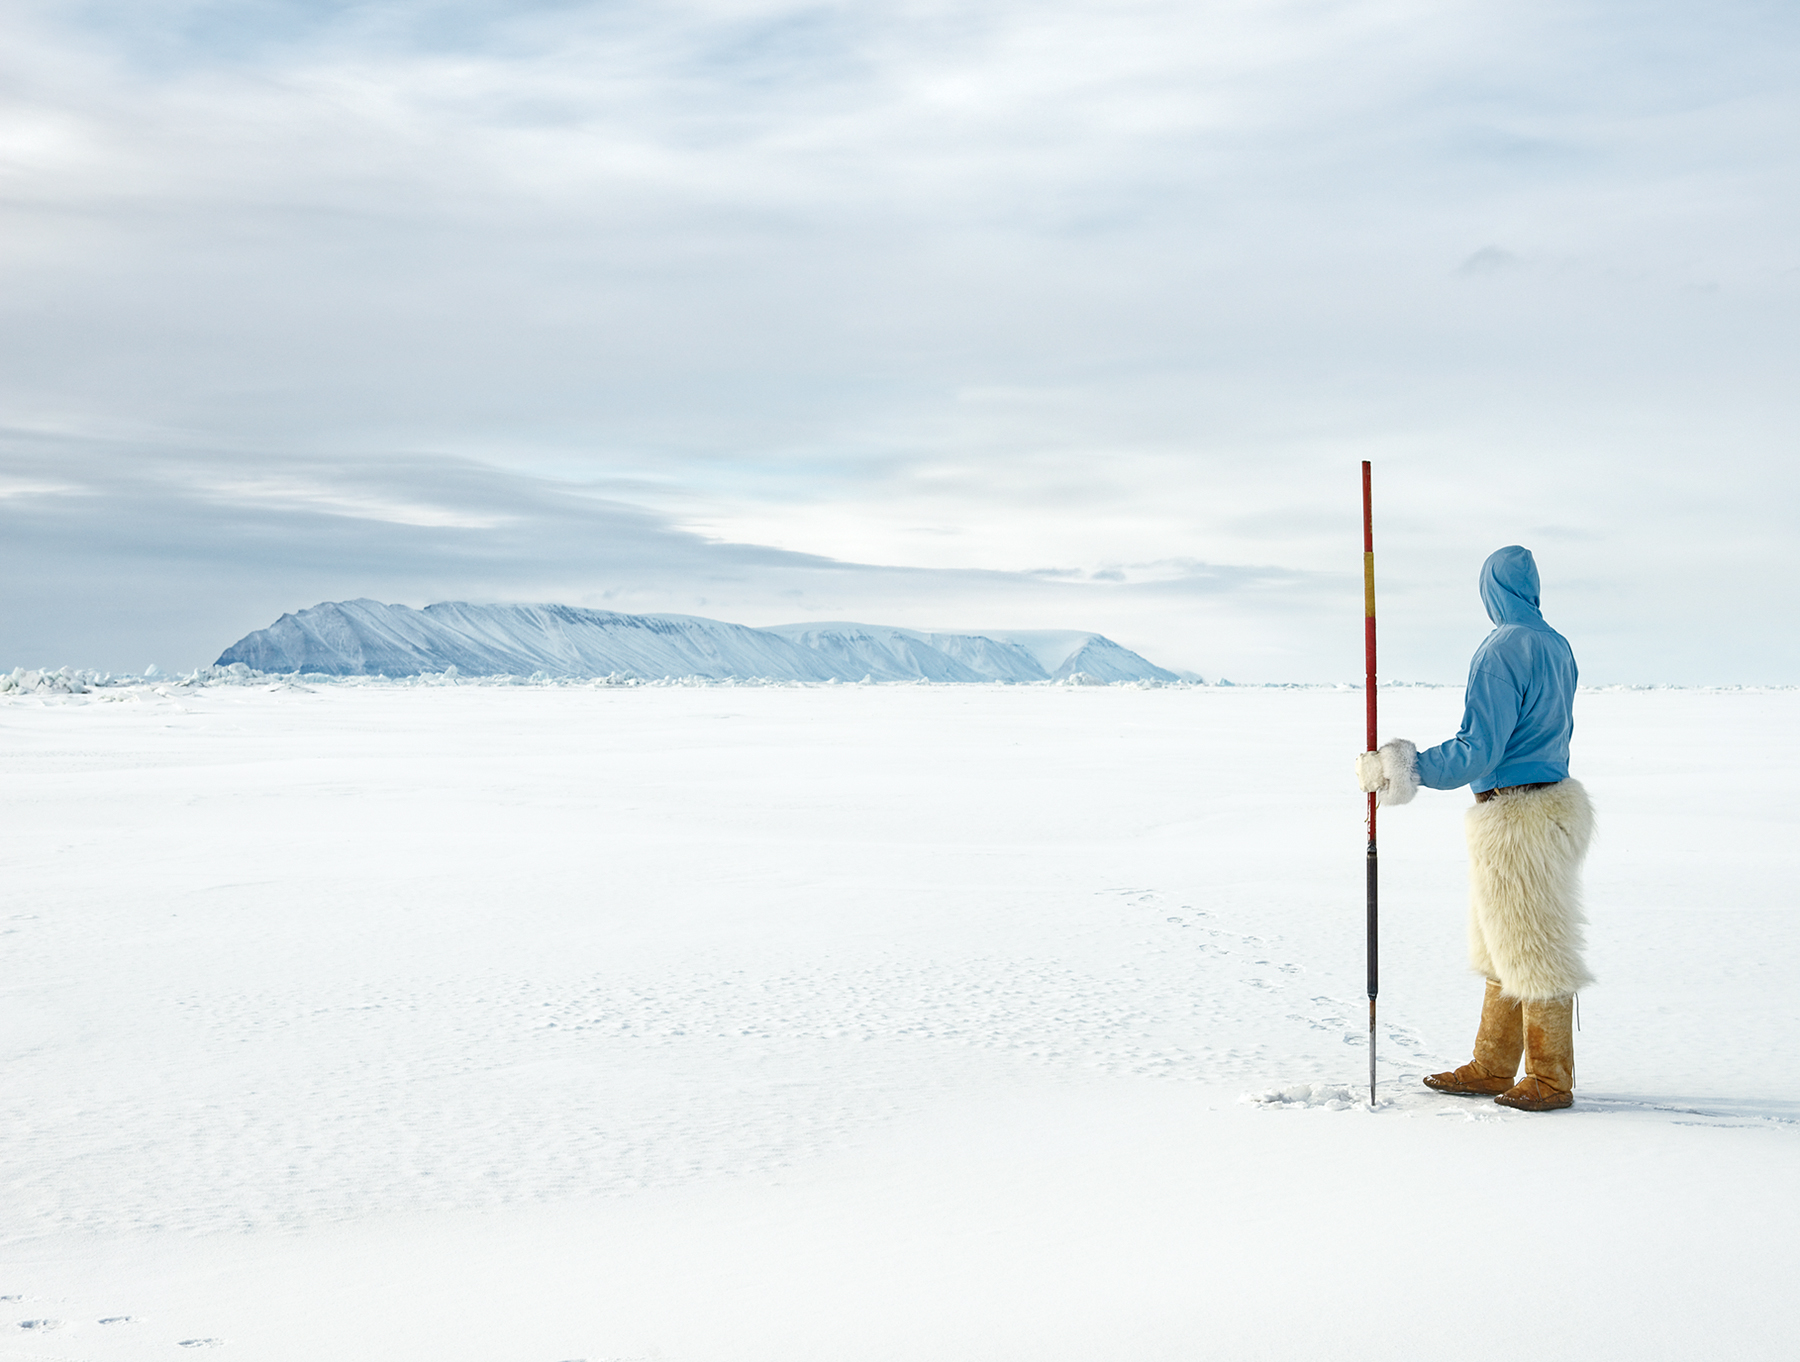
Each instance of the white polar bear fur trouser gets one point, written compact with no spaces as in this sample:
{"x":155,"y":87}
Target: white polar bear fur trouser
{"x":1525,"y":919}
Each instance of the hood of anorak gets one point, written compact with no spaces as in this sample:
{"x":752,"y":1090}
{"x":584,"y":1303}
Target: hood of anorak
{"x":1509,"y":587}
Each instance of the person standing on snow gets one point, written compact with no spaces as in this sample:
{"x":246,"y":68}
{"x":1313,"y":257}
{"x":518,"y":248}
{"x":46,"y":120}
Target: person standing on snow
{"x":1528,"y":832}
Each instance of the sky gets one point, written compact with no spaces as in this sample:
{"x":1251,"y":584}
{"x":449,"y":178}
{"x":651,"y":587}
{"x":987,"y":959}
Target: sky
{"x":958,"y":316}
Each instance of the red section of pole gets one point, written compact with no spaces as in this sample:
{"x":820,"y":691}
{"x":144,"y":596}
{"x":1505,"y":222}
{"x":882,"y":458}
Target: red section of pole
{"x":1374,"y":936}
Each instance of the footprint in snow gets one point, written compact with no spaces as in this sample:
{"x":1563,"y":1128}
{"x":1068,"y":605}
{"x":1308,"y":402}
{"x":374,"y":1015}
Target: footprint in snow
{"x":40,"y":1324}
{"x":121,"y":1319}
{"x":201,"y":1343}
{"x":1318,"y":1023}
{"x":1406,"y":1040}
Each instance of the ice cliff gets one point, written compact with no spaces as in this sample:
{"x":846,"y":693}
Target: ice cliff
{"x":368,"y":638}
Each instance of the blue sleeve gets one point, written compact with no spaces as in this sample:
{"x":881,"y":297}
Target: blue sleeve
{"x":1490,"y":713}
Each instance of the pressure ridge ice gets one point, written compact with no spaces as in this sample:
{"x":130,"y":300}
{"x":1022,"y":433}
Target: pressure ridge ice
{"x":369,"y":638}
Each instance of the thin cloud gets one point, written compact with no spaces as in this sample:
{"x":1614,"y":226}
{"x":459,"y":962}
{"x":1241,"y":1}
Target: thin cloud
{"x":1489,"y":260}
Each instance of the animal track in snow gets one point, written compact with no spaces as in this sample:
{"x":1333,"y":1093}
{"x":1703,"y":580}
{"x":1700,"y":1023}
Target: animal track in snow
{"x":40,"y":1324}
{"x":201,"y":1343}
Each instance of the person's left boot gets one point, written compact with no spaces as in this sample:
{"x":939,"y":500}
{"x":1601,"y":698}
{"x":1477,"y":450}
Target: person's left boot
{"x":1549,"y":1082}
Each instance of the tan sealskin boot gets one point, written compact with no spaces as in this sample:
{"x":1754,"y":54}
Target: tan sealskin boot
{"x":1549,"y":1081}
{"x":1498,"y":1045}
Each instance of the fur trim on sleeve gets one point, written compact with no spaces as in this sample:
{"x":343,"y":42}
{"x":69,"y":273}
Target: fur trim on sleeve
{"x":1400,"y":764}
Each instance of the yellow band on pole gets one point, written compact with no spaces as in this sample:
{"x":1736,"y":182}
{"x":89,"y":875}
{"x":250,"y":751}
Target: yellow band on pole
{"x":1369,"y":584}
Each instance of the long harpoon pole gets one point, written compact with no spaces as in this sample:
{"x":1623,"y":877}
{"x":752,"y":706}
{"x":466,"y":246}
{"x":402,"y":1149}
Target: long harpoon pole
{"x":1369,"y":688}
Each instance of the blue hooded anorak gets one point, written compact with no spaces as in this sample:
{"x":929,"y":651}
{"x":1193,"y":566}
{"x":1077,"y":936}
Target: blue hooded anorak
{"x":1519,"y":711}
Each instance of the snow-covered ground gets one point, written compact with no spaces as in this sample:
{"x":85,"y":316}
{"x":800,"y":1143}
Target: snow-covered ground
{"x":863,"y":1023}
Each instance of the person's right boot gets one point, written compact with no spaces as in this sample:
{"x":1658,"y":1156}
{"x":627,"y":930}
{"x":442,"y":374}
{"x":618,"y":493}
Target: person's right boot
{"x":1498,"y":1045}
{"x":1549,"y":1082}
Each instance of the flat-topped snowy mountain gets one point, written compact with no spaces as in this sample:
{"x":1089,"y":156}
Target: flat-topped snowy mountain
{"x":368,"y":638}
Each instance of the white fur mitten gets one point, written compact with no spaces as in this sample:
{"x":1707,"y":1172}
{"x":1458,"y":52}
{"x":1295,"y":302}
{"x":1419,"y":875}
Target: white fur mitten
{"x":1369,"y":775}
{"x":1393,"y":772}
